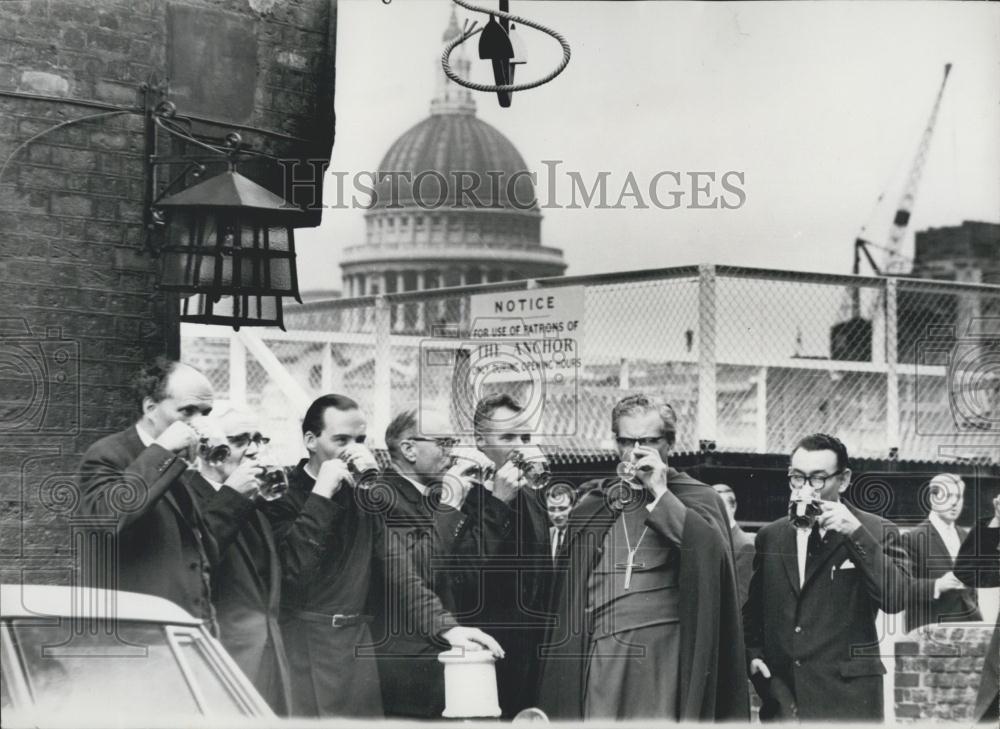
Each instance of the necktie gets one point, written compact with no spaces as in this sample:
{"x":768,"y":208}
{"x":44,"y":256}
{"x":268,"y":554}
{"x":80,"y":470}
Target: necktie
{"x":557,"y":542}
{"x":812,"y":546}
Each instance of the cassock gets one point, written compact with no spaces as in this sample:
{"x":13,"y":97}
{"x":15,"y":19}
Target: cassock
{"x":670,"y":645}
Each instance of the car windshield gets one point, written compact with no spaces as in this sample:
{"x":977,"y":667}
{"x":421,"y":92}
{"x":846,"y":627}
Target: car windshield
{"x":126,"y":669}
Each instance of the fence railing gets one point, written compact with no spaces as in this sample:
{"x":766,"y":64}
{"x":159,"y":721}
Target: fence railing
{"x":751,"y":359}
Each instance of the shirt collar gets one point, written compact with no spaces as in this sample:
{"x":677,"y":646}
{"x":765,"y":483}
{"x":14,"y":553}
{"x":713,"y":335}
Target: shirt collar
{"x":144,"y":436}
{"x":421,"y":489}
{"x":940,"y":524}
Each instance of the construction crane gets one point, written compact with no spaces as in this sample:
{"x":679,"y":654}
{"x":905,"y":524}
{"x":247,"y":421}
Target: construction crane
{"x":894,"y":262}
{"x":851,"y":339}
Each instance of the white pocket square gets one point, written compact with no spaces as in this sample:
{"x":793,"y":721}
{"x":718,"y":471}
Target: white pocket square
{"x":847,"y":565}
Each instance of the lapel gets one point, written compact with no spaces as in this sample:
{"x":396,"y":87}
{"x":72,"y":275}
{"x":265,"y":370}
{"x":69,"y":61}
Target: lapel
{"x":789,"y":549}
{"x":829,"y":546}
{"x":936,"y":546}
{"x":590,"y":521}
{"x":274,"y":566}
{"x":134,"y":446}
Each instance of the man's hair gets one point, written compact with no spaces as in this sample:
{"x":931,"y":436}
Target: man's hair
{"x":824,"y":442}
{"x":151,"y":380}
{"x":401,"y":425}
{"x":943,"y":480}
{"x":639,"y":404}
{"x":489,"y":405}
{"x":312,"y":422}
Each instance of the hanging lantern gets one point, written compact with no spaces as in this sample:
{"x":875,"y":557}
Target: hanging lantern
{"x":229,"y":252}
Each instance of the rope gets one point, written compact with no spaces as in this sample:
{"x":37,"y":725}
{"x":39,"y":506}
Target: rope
{"x":466,"y":34}
{"x":60,"y":125}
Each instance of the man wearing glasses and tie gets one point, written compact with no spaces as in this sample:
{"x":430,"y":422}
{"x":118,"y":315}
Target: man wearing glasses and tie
{"x":820,"y":577}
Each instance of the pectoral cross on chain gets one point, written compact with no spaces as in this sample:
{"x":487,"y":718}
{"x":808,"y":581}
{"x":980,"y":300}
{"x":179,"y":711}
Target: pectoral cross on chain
{"x":629,"y":564}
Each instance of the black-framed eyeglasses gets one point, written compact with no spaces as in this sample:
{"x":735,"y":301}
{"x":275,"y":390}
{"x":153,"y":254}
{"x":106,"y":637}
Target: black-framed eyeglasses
{"x":442,"y":443}
{"x":654,"y":440}
{"x":817,"y":481}
{"x":242,"y":440}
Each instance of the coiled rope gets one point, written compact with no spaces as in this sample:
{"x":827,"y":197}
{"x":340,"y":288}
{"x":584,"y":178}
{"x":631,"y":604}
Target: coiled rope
{"x":471,"y":31}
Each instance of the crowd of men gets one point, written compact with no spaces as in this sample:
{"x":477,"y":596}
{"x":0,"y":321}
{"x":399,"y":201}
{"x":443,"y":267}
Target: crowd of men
{"x":634,"y":596}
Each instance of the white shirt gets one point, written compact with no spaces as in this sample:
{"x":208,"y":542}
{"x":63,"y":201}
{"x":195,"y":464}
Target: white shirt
{"x":948,"y":532}
{"x":418,"y":486}
{"x":802,"y":544}
{"x":556,"y":537}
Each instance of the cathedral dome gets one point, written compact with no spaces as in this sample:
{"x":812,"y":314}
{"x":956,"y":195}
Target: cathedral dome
{"x":448,"y":152}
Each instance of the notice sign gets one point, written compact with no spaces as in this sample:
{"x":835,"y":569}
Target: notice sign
{"x":533,"y":334}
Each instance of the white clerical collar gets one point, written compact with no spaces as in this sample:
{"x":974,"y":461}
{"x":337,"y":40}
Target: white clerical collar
{"x":309,"y":473}
{"x":144,"y":436}
{"x":940,"y":524}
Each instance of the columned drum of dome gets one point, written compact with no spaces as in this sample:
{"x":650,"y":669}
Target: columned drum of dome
{"x":454,"y":204}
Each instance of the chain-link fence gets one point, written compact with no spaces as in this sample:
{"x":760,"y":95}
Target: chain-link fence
{"x":751,"y":359}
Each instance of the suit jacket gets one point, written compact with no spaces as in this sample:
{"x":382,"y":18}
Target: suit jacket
{"x":246,"y":592}
{"x":712,"y":684}
{"x":743,"y":552}
{"x":412,"y":677}
{"x":334,"y":554}
{"x":929,"y":559}
{"x":164,"y":544}
{"x":978,"y":565}
{"x":820,"y":641}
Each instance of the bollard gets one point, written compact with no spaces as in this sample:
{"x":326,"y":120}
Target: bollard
{"x":470,"y":684}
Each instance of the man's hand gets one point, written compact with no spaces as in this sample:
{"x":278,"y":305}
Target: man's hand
{"x":837,"y":517}
{"x":333,"y":474}
{"x":995,"y":521}
{"x":244,"y":479}
{"x":507,"y":482}
{"x":472,"y":639}
{"x":455,"y":486}
{"x":650,"y":469}
{"x":946,"y":583}
{"x":758,"y":666}
{"x":178,"y":437}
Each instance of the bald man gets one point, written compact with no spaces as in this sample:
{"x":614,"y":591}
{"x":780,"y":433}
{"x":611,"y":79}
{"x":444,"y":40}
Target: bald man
{"x":138,"y":480}
{"x":743,"y":544}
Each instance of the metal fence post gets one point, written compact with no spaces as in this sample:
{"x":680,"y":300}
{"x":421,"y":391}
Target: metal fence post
{"x":237,"y":371}
{"x":381,"y":407}
{"x":891,"y":369}
{"x":707,"y":408}
{"x":761,"y":410}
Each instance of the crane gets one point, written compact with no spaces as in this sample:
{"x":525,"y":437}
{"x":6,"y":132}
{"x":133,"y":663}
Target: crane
{"x":894,"y":261}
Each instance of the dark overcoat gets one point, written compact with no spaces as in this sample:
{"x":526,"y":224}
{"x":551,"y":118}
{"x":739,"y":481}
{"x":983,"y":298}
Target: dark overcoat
{"x":929,"y":560}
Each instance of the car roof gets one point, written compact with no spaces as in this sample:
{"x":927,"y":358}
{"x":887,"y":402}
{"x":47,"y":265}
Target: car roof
{"x":31,"y":601}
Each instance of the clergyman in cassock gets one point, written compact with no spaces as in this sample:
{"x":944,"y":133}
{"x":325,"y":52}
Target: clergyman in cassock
{"x":648,"y":613}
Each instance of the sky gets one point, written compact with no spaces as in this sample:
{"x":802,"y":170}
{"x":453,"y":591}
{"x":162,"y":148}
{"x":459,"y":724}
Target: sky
{"x":820,"y":107}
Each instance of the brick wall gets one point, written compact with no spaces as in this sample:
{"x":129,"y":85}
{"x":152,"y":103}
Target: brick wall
{"x":79,"y":311}
{"x":938,"y":672}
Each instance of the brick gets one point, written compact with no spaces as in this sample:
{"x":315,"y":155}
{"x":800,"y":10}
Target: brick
{"x":73,"y":37}
{"x":104,"y":232}
{"x":907,"y":680}
{"x":907,"y":648}
{"x":72,"y":205}
{"x":103,"y":140}
{"x":105,"y":209}
{"x":908,"y":711}
{"x":76,"y":159}
{"x":116,"y":93}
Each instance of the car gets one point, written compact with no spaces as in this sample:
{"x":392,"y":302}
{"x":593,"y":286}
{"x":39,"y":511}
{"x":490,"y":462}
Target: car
{"x":80,"y":655}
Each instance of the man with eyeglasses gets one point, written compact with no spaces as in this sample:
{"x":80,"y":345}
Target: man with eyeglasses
{"x":812,"y":641}
{"x":246,"y":582}
{"x":330,"y":530}
{"x":428,"y":505}
{"x":648,"y":617}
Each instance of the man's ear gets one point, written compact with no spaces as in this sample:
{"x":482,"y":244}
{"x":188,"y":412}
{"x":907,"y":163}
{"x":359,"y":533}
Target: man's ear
{"x":148,"y":404}
{"x":478,"y":440}
{"x":408,"y":451}
{"x":309,"y":440}
{"x":846,"y":476}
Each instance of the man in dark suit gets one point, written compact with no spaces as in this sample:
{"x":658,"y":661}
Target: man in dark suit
{"x":246,"y":583}
{"x":812,"y":643}
{"x":137,"y":482}
{"x":330,"y":534}
{"x":936,"y":594}
{"x":978,"y":565}
{"x":743,"y":549}
{"x":428,"y":512}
